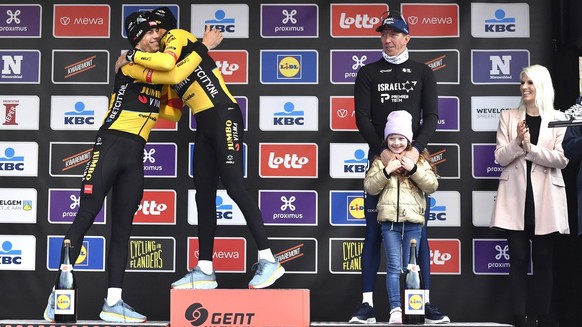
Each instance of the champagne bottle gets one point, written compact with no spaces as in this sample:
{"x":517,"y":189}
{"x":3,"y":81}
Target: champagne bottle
{"x":66,"y":289}
{"x":412,"y":291}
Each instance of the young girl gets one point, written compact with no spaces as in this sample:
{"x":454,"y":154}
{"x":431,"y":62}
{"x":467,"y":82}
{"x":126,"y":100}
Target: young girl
{"x":401,"y":185}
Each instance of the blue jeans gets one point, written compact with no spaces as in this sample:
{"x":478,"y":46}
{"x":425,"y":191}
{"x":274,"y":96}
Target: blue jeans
{"x":373,"y":242}
{"x":397,"y":238}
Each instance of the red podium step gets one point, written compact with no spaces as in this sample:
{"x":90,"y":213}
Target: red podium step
{"x":246,"y":307}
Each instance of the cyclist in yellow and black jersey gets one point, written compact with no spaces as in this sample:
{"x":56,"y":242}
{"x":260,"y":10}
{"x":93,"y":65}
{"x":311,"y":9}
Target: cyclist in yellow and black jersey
{"x":116,"y":165}
{"x":201,"y":87}
{"x":218,"y":146}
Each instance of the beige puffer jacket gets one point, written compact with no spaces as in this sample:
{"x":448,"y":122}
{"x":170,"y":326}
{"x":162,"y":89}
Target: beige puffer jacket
{"x":407,"y":196}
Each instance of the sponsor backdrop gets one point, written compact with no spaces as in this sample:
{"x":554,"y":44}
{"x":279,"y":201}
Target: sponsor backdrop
{"x":292,"y":69}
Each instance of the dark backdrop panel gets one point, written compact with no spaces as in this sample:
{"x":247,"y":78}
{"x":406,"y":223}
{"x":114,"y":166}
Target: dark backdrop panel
{"x":464,"y":297}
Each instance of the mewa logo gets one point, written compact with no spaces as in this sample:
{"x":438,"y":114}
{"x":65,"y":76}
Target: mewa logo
{"x":292,"y":160}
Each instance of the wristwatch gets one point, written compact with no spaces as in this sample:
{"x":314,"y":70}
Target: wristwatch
{"x":129,"y":55}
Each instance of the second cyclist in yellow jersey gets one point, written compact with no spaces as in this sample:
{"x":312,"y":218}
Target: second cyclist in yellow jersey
{"x":218,"y":153}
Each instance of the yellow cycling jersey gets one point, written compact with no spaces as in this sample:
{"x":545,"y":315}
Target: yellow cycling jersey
{"x":135,"y":106}
{"x":186,"y":65}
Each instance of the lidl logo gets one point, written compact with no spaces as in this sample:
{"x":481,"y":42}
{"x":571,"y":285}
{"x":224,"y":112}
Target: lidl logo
{"x":289,"y":67}
{"x":91,"y":256}
{"x":346,"y":208}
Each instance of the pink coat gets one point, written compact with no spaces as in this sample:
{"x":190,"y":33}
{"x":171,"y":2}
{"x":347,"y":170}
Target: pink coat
{"x":549,"y":192}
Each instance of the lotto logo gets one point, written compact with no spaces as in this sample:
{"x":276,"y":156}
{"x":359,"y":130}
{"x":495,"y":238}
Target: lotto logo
{"x":361,"y":20}
{"x":156,"y":207}
{"x":232,"y":64}
{"x":445,"y":256}
{"x":288,"y":160}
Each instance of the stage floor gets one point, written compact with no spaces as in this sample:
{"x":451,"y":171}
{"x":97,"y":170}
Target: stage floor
{"x":99,"y":323}
{"x":80,"y":323}
{"x":378,"y":324}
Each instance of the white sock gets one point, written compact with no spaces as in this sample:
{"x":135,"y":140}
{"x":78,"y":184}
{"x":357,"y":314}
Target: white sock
{"x":267,"y":255}
{"x":113,"y":295}
{"x":368,"y":297}
{"x":205,"y":266}
{"x":427,"y":296}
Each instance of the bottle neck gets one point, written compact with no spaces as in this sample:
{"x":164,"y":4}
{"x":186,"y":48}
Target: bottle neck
{"x":412,"y":259}
{"x":67,"y":257}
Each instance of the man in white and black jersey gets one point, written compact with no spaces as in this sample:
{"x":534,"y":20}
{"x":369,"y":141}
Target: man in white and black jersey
{"x":394,"y":82}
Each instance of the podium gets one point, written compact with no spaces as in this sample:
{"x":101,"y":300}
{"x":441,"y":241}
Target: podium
{"x":246,"y":307}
